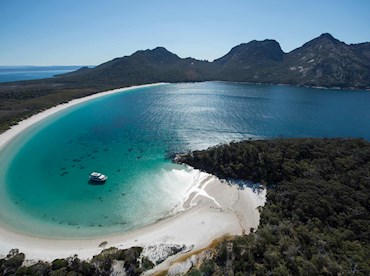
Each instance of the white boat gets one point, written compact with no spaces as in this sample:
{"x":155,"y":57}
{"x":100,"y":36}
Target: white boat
{"x":98,"y":177}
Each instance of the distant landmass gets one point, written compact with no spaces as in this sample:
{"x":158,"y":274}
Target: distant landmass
{"x":321,"y":62}
{"x":19,"y":73}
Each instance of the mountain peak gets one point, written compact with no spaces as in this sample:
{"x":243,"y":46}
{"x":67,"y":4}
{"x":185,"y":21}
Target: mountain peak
{"x":323,"y":61}
{"x":267,"y":49}
{"x":324,"y":42}
{"x":158,"y":54}
{"x":160,"y":49}
{"x":324,"y":39}
{"x":327,"y":36}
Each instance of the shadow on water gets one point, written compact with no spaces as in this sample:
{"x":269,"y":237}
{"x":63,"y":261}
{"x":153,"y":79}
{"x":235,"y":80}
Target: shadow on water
{"x":96,"y":183}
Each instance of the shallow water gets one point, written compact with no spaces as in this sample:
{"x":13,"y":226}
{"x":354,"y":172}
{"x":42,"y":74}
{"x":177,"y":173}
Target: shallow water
{"x":128,"y":136}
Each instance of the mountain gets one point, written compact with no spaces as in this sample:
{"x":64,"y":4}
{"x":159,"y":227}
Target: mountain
{"x":326,"y":61}
{"x":255,"y":61}
{"x":323,"y":61}
{"x":254,"y":51}
{"x":149,"y":66}
{"x":363,"y":49}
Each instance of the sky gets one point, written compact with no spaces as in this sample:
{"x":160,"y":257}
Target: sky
{"x":90,"y":32}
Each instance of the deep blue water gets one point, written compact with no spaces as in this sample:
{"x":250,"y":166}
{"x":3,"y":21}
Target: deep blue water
{"x":128,"y":136}
{"x":18,"y":73}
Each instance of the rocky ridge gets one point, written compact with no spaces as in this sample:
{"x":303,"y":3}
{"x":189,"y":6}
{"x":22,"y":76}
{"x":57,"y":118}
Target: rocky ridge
{"x":321,"y":62}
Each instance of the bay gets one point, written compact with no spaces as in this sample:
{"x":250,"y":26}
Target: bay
{"x":128,"y":136}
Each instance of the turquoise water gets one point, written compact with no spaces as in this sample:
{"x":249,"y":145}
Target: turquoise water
{"x":128,"y":136}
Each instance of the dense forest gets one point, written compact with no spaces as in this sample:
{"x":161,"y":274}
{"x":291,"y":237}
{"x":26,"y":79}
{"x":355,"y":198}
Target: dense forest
{"x":317,"y":217}
{"x":130,"y":261}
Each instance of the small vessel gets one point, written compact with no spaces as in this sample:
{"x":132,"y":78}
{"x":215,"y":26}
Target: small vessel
{"x":98,"y":177}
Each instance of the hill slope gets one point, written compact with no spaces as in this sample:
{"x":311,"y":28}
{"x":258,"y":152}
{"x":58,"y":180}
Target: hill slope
{"x":327,"y":62}
{"x":323,"y":61}
{"x":149,"y":66}
{"x":256,"y":61}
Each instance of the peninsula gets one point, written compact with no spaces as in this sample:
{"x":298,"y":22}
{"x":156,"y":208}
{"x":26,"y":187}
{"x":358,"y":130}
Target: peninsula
{"x":316,"y":218}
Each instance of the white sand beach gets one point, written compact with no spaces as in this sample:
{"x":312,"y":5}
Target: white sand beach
{"x":210,"y":209}
{"x":15,"y":130}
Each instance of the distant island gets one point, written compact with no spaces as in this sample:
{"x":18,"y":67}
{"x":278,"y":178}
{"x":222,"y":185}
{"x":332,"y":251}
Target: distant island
{"x":321,"y":62}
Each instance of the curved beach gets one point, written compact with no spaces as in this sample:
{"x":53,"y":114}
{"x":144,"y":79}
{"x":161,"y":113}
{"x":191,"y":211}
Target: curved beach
{"x":209,"y":210}
{"x":15,"y":130}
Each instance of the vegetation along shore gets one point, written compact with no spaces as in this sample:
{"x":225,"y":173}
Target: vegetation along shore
{"x":315,"y":221}
{"x":317,"y":216}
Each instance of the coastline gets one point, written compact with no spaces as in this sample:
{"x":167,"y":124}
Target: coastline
{"x":15,"y":130}
{"x":296,"y":85}
{"x":210,"y":210}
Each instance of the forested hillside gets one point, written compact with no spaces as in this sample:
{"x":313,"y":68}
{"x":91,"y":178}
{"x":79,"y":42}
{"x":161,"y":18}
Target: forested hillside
{"x":317,"y":217}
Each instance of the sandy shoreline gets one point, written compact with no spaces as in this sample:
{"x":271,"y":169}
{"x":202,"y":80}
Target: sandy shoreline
{"x":15,"y":130}
{"x":210,"y":209}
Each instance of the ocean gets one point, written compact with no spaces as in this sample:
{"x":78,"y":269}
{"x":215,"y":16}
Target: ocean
{"x":18,"y":73}
{"x":129,"y":136}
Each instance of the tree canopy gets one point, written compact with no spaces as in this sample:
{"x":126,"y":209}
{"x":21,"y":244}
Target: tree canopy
{"x":316,"y":220}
